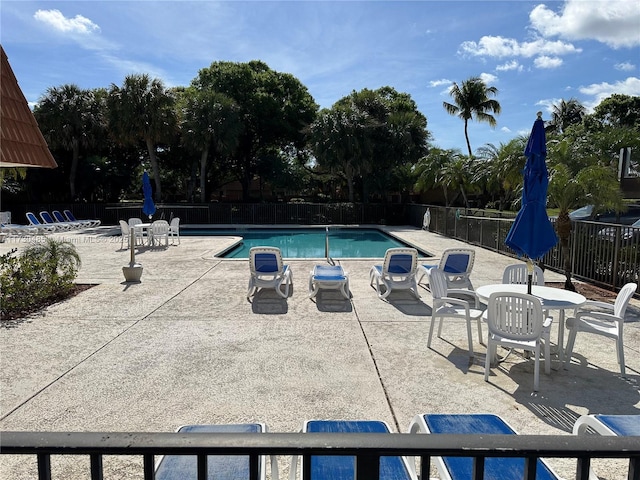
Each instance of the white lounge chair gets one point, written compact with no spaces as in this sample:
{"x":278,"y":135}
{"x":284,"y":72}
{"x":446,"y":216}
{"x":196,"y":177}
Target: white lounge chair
{"x":504,"y":468}
{"x":445,"y":305}
{"x":330,"y":277}
{"x":456,"y":263}
{"x":267,"y":270}
{"x":332,"y":467}
{"x":88,"y":222}
{"x":220,"y":467}
{"x":398,"y":272}
{"x":516,"y":320}
{"x":602,"y":319}
{"x":42,"y":228}
{"x":47,"y":219}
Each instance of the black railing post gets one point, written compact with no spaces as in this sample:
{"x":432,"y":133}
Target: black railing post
{"x":478,"y":468}
{"x":530,"y":466}
{"x":148,"y":467}
{"x":96,"y":466}
{"x":44,"y":466}
{"x":202,"y":466}
{"x":367,"y":467}
{"x":582,"y":470}
{"x":425,"y":466}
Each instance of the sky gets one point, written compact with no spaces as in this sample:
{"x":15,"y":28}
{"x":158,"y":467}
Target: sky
{"x":534,"y":53}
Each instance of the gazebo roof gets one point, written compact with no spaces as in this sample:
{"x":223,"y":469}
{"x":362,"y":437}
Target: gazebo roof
{"x":21,"y":141}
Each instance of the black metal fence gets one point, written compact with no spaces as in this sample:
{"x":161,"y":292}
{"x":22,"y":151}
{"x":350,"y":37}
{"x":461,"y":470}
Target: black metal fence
{"x":608,"y":258}
{"x":367,"y":448}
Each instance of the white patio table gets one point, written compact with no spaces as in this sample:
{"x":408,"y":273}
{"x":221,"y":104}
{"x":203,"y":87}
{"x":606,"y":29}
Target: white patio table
{"x":145,"y":228}
{"x":551,"y":299}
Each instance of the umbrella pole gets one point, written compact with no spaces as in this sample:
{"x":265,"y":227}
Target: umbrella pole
{"x":529,"y":275}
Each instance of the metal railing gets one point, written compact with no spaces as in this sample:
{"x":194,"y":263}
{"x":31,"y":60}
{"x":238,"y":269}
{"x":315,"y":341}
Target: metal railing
{"x":367,"y":448}
{"x":605,"y":254}
{"x":608,"y":260}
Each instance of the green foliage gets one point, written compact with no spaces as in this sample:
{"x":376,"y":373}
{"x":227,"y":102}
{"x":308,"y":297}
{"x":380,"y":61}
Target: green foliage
{"x":43,"y":272}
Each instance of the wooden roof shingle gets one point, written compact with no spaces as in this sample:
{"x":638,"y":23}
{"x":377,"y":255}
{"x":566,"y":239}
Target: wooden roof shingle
{"x":21,"y":141}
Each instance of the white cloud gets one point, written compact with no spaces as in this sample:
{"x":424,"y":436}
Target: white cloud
{"x":547,"y":62}
{"x":512,"y":65}
{"x":548,"y":103}
{"x":76,"y":25}
{"x":600,"y":91}
{"x":500,"y":47}
{"x":439,"y":83}
{"x":505,"y":130}
{"x":488,"y":78}
{"x":625,"y":67}
{"x":613,"y":22}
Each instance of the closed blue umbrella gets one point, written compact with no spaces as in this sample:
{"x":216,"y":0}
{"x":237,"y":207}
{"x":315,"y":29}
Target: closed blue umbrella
{"x":148,"y":207}
{"x":532,"y":234}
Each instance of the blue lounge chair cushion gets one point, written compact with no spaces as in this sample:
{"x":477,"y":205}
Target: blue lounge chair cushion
{"x":495,"y":468}
{"x":266,"y":263}
{"x":329,"y":273}
{"x":621,"y":425}
{"x":220,"y":467}
{"x":339,"y":467}
{"x":401,"y":264}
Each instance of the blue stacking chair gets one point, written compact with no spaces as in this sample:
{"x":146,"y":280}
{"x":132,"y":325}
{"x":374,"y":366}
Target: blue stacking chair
{"x":456,"y":263}
{"x":219,"y":467}
{"x":341,"y":467}
{"x":459,"y":468}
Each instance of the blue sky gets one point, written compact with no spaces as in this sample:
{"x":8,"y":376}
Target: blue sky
{"x":535,"y":53}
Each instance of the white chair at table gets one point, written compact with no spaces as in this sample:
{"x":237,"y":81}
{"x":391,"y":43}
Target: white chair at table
{"x":160,"y":230}
{"x":517,"y":274}
{"x":602,"y":319}
{"x":174,"y":229}
{"x":125,"y":232}
{"x":447,"y":304}
{"x":516,"y":320}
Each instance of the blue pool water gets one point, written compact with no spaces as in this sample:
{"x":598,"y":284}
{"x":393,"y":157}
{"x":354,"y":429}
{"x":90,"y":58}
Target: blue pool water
{"x":309,"y":242}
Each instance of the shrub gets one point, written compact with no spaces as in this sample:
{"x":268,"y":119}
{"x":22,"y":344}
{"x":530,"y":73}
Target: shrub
{"x":43,"y":273}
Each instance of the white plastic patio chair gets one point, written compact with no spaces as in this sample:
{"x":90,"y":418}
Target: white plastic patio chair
{"x":134,"y":221}
{"x":159,"y":231}
{"x":602,"y":319}
{"x":267,"y":270}
{"x":445,"y":305}
{"x":398,"y":272}
{"x":516,"y":320}
{"x":517,"y":274}
{"x":456,"y":263}
{"x":174,"y":229}
{"x":125,"y":233}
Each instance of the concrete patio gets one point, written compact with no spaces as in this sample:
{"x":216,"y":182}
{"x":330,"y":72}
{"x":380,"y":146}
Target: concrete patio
{"x":185,"y":346}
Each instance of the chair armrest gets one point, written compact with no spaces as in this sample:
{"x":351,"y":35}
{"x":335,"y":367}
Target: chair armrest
{"x":609,"y":317}
{"x":590,"y":304}
{"x":465,"y":292}
{"x":455,"y":301}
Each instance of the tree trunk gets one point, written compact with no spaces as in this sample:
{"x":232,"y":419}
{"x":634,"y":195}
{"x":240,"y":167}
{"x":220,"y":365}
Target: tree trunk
{"x":203,"y":175}
{"x":464,"y":196}
{"x":466,"y":136}
{"x":151,"y":148}
{"x":563,"y":227}
{"x":75,"y":156}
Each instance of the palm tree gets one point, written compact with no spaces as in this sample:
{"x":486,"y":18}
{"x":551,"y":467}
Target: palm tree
{"x":471,"y":101}
{"x":595,"y":184}
{"x":566,"y":113}
{"x":448,"y":169}
{"x":69,"y":118}
{"x":142,"y":110}
{"x":60,"y":258}
{"x":210,"y":120}
{"x":501,"y":168}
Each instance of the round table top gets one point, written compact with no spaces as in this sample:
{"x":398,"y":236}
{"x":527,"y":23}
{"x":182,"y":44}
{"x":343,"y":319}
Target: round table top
{"x":549,"y":297}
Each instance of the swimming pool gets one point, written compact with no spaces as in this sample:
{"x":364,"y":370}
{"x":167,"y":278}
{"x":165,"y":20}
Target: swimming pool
{"x":309,"y":242}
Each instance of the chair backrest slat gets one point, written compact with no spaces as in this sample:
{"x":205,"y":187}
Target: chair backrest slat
{"x":514,"y":315}
{"x":622,"y":300}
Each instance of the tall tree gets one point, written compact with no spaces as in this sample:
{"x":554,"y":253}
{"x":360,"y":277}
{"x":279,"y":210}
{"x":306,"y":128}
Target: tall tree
{"x":500,"y":170}
{"x":471,"y":102}
{"x":275,"y":109}
{"x":566,"y":113}
{"x":568,"y":189}
{"x":70,"y":119}
{"x":619,"y":110}
{"x":210,"y":121}
{"x":448,"y":169}
{"x":142,"y":110}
